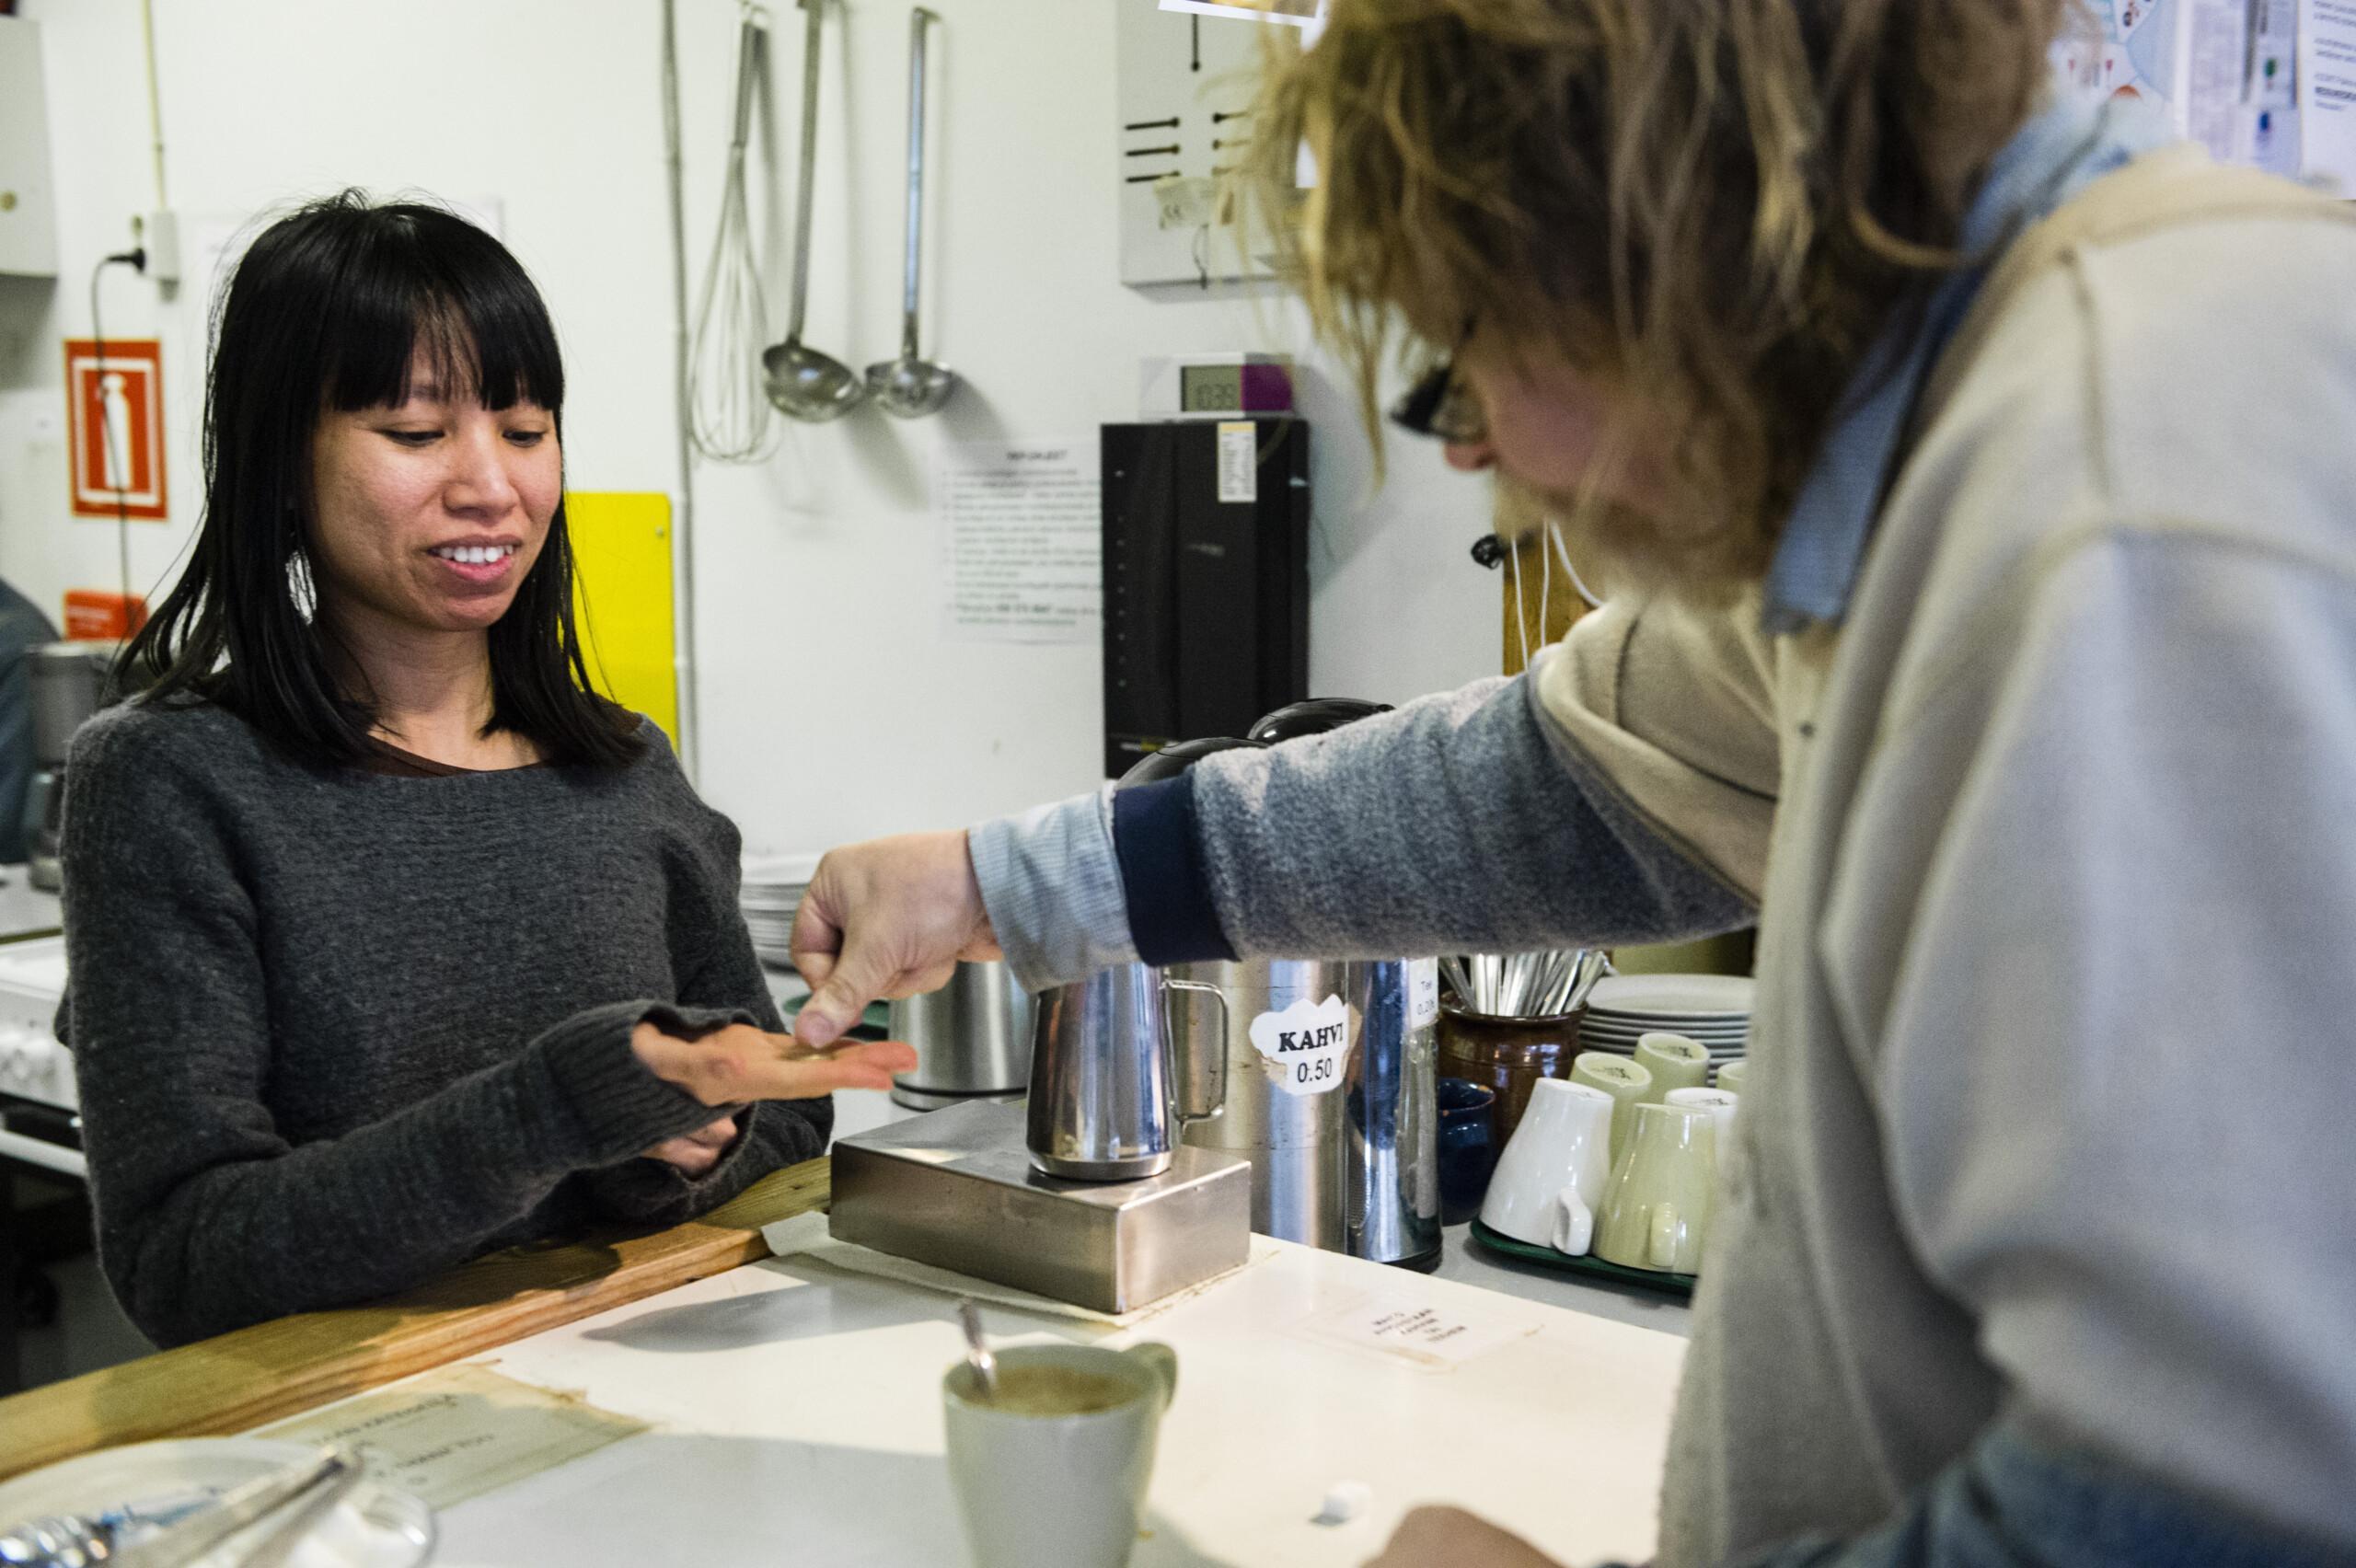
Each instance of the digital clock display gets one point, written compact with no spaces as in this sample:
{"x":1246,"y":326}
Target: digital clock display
{"x":1211,"y":389}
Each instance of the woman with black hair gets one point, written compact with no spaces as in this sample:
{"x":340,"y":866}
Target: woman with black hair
{"x":392,"y":942}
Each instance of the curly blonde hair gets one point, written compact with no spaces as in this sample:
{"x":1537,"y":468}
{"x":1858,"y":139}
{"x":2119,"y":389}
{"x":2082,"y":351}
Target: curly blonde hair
{"x":1714,"y":206}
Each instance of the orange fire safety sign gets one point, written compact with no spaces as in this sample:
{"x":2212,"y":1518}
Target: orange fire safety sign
{"x":115,"y":404}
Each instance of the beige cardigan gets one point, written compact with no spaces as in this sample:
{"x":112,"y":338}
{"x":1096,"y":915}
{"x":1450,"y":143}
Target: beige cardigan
{"x":2056,"y":846}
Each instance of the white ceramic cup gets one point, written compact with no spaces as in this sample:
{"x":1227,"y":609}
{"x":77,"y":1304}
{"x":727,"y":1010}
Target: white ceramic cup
{"x":1551,"y":1174}
{"x":1056,"y":1490}
{"x":1656,"y":1207}
{"x":1676,"y":1061}
{"x":1732,"y":1074}
{"x":1721,"y":1103}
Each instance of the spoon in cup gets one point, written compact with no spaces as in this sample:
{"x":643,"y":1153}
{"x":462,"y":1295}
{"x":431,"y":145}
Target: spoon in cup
{"x":977,"y":1354}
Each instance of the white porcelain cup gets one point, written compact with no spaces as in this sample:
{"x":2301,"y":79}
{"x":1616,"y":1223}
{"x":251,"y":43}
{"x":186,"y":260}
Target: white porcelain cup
{"x":1056,"y":1490}
{"x":1732,"y":1074}
{"x":1656,"y":1207}
{"x":1551,"y":1174}
{"x":1721,"y":1103}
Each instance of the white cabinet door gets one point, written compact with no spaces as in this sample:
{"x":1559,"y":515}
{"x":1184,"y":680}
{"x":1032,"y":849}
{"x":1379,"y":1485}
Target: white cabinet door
{"x":27,"y":209}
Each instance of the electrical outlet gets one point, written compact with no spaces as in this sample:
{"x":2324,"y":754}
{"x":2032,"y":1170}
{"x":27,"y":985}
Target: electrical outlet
{"x":162,"y":242}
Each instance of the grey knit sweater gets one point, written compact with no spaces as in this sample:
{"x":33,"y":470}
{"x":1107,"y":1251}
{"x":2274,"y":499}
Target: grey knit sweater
{"x":337,"y":1031}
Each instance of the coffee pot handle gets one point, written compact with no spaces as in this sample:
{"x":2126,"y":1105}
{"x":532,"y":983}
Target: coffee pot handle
{"x":1219,"y":1102}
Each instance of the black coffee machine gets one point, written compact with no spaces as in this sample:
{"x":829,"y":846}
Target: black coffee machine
{"x":1206,"y":578}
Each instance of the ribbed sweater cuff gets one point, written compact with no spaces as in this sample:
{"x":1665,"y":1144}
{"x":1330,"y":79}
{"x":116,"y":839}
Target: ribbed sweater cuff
{"x":619,"y":1107}
{"x":1168,"y":891}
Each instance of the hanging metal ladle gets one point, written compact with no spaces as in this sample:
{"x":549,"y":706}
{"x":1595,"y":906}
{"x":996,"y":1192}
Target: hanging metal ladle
{"x":804,"y":382}
{"x":912,"y":387}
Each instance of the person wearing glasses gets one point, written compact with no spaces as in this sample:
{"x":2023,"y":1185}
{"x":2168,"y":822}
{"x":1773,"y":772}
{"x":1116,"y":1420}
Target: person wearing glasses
{"x":1969,"y":472}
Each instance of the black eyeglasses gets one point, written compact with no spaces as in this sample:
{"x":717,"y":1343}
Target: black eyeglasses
{"x":1439,"y":406}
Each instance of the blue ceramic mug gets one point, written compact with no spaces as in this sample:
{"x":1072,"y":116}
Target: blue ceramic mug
{"x":1467,"y":1148}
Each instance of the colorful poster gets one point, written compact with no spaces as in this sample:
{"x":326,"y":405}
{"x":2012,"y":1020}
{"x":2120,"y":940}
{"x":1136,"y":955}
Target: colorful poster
{"x":2196,"y":60}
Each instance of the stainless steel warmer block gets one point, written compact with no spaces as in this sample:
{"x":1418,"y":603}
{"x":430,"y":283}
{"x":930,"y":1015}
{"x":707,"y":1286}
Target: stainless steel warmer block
{"x":955,"y":1189}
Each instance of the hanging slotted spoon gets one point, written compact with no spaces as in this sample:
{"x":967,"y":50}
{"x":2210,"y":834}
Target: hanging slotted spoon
{"x":804,"y":382}
{"x":912,"y":387}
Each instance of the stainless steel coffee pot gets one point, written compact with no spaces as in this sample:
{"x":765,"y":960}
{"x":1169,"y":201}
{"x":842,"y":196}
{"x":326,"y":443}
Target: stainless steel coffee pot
{"x":972,"y":1039}
{"x":67,"y":680}
{"x":1327,"y":1071}
{"x":1104,"y":1104}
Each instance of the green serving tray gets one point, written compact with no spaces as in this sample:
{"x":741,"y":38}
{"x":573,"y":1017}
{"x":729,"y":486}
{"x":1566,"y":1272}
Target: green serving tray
{"x":1592,"y":1267}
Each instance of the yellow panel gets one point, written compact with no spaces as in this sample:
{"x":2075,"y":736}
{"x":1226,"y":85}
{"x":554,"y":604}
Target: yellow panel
{"x":621,"y":549}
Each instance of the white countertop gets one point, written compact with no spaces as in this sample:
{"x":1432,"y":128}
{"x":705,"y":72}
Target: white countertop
{"x":798,"y":1420}
{"x":794,"y":1416}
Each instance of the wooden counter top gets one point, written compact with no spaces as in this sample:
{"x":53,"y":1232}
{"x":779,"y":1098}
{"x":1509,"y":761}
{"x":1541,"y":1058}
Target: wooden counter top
{"x":240,"y":1380}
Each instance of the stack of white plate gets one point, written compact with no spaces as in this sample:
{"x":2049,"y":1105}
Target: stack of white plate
{"x":772,"y":891}
{"x":1711,"y":1008}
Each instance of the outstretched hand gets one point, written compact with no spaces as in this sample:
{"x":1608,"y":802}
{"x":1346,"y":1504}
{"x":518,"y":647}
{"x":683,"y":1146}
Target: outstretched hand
{"x":740,"y":1063}
{"x":890,"y":917}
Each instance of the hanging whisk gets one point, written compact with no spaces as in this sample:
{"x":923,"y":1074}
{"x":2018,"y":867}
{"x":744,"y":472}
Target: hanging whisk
{"x":729,"y":413}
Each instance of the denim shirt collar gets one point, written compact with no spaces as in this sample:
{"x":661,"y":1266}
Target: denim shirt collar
{"x":2055,"y":156}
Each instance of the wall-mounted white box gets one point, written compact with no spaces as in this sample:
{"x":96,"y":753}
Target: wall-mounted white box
{"x":27,"y":200}
{"x":1185,"y":93}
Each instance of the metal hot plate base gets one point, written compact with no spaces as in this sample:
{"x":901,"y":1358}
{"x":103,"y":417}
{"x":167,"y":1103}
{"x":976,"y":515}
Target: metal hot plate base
{"x":955,"y":1189}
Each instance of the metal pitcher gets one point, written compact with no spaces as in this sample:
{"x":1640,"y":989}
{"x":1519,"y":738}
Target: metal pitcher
{"x":1104,"y":1104}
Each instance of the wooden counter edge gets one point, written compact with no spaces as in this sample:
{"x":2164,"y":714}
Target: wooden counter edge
{"x":273,"y":1370}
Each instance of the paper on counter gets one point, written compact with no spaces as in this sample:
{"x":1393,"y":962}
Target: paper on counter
{"x":461,"y":1431}
{"x":805,"y":1235}
{"x":1433,"y":1338}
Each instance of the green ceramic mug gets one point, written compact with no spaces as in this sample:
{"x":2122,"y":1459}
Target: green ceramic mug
{"x":1657,"y":1205}
{"x":1675,"y":1062}
{"x":1627,"y":1082}
{"x":1053,"y":1473}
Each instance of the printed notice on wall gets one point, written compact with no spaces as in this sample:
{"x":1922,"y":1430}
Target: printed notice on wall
{"x":1020,"y":541}
{"x":2327,"y":75}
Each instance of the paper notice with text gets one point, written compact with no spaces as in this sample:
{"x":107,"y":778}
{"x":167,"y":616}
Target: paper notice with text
{"x":1020,"y":541}
{"x":461,"y":1431}
{"x":2326,"y":77}
{"x":1436,"y":1339}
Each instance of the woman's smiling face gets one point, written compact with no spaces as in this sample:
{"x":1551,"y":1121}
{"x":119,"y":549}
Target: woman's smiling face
{"x":429,"y":514}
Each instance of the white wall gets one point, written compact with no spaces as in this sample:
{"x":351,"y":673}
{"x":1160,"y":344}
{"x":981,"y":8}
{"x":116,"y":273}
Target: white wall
{"x":831,"y":707}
